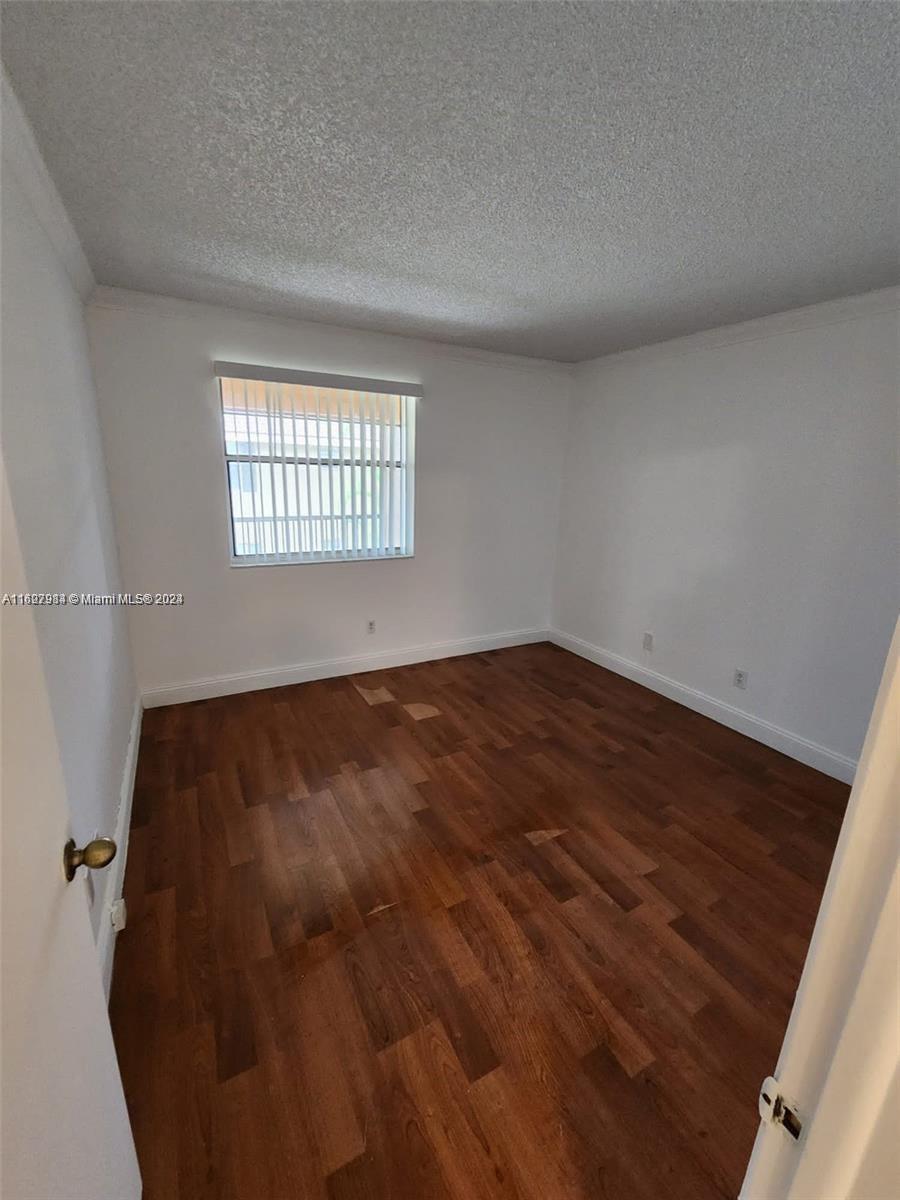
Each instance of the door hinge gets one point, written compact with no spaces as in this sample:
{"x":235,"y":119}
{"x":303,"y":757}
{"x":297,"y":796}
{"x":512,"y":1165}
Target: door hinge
{"x":775,"y":1110}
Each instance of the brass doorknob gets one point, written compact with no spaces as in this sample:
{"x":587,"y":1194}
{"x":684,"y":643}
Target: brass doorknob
{"x":96,"y":854}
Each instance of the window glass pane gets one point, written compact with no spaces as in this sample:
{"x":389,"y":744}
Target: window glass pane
{"x":274,"y":512}
{"x":315,"y":471}
{"x":282,"y":435}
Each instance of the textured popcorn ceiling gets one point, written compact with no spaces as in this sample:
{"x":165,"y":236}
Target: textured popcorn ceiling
{"x":559,"y":180}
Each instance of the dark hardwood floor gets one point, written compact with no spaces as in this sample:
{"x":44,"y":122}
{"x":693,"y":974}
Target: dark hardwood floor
{"x":499,"y":926}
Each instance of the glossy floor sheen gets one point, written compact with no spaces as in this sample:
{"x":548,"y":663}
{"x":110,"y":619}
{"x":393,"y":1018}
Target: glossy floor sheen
{"x":498,"y":926}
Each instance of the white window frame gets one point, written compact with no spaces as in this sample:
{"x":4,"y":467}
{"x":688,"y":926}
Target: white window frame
{"x":411,"y":394}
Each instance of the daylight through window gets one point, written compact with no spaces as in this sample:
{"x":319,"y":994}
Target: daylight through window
{"x":319,"y":467}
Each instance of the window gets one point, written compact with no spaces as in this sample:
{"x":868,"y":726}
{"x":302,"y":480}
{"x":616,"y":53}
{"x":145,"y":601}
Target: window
{"x":319,"y":467}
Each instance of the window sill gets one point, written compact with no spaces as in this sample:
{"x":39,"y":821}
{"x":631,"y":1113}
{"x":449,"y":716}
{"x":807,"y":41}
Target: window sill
{"x":243,"y":563}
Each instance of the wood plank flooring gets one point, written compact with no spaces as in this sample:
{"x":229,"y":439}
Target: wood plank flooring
{"x":503,"y":926}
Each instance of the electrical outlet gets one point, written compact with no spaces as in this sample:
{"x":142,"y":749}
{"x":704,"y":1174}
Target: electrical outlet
{"x":371,"y":627}
{"x":740,"y":678}
{"x":648,"y":641}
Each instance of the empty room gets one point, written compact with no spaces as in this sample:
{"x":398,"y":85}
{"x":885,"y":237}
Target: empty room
{"x":450,"y":590}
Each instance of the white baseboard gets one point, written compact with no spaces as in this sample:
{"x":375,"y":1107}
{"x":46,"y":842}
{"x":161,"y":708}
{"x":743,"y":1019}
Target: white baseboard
{"x":115,"y":876}
{"x":839,"y":766}
{"x":252,"y":681}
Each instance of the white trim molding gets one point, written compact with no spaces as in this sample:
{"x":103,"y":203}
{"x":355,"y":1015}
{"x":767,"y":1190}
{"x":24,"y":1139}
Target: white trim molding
{"x":251,"y":681}
{"x":830,"y":762}
{"x":115,"y":876}
{"x":176,"y":309}
{"x":22,"y":156}
{"x":821,"y":758}
{"x":812,"y":316}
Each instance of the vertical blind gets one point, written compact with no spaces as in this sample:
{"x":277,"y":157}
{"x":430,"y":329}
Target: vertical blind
{"x":319,"y":467}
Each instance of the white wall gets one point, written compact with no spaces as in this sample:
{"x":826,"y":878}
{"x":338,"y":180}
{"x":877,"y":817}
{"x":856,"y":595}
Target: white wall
{"x":52,"y":451}
{"x":490,"y":441}
{"x":736,"y":494}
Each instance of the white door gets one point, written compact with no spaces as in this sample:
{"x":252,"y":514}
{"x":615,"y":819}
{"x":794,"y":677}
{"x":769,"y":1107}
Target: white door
{"x":65,"y":1131}
{"x":840,"y":1063}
